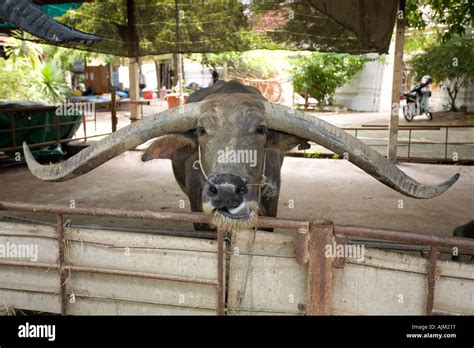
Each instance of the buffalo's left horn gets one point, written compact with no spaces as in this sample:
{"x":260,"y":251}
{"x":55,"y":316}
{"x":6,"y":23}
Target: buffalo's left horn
{"x":30,"y":18}
{"x":174,"y":120}
{"x":295,"y":122}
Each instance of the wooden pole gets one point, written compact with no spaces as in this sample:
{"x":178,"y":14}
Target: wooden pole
{"x":396,"y":83}
{"x":133,"y":54}
{"x":178,"y":56}
{"x":134,"y":92}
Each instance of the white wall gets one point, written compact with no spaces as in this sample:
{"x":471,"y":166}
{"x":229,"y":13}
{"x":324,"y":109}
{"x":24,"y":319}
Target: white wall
{"x":147,"y":69}
{"x":370,"y":90}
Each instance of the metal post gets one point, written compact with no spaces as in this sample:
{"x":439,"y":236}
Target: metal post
{"x":84,"y":124}
{"x":13,"y":129}
{"x":446,"y":144}
{"x":396,"y":83}
{"x":409,"y":143}
{"x":62,"y":271}
{"x":113,"y":110}
{"x":302,"y":246}
{"x":321,"y":233}
{"x":58,"y":129}
{"x":220,"y":273}
{"x":432,"y":258}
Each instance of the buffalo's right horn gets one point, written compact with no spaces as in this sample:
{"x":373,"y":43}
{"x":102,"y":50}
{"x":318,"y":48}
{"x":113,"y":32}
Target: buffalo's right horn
{"x":295,"y":122}
{"x":175,"y":120}
{"x":30,"y":18}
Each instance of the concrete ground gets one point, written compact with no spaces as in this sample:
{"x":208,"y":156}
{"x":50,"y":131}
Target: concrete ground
{"x":320,"y":188}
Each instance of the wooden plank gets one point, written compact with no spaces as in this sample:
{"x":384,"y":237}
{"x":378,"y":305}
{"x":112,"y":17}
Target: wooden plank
{"x":30,"y":301}
{"x":22,"y":229}
{"x":165,"y":255}
{"x":172,"y":294}
{"x":88,"y":306}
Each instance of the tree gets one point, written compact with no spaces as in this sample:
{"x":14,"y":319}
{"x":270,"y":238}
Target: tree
{"x":450,"y":17}
{"x":205,"y":26}
{"x":449,"y":63}
{"x":27,"y":74}
{"x":319,"y":74}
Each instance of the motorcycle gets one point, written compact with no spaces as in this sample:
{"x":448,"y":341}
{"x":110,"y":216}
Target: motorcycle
{"x":417,"y":100}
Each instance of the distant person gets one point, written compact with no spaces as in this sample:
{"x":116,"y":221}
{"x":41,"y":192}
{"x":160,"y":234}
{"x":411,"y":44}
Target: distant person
{"x":215,"y":76}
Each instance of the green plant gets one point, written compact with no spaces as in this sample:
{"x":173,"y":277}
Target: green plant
{"x":319,"y":74}
{"x":13,"y":81}
{"x":50,"y":83}
{"x":23,"y":53}
{"x":449,"y":63}
{"x":448,"y":17}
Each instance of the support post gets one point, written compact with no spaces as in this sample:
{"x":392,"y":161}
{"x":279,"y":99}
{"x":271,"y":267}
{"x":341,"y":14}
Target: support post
{"x":134,"y":91}
{"x":431,"y":275}
{"x":158,"y":75}
{"x":221,"y":273}
{"x":113,"y":109}
{"x":396,"y":83}
{"x":321,"y":233}
{"x":61,"y":261}
{"x":178,"y":55}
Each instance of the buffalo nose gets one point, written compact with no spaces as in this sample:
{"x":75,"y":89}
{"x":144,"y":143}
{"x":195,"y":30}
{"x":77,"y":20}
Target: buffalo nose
{"x":226,"y":190}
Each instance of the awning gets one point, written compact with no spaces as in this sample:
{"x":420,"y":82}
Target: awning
{"x":134,"y":28}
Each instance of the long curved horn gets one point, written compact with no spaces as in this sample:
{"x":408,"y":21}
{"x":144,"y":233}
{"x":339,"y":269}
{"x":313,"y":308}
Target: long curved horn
{"x":295,"y":122}
{"x":30,"y":18}
{"x":179,"y":119}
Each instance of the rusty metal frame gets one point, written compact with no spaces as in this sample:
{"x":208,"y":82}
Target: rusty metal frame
{"x":56,"y":125}
{"x":410,"y":129}
{"x":311,"y":239}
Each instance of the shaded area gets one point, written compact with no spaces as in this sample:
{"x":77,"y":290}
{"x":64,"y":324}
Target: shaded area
{"x":136,"y":28}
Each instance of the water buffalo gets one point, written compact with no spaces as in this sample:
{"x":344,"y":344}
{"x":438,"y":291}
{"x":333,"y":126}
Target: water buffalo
{"x":227,"y":146}
{"x":30,"y":18}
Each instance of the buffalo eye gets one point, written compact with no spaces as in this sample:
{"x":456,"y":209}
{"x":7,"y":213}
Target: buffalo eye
{"x":261,"y":129}
{"x":200,"y":131}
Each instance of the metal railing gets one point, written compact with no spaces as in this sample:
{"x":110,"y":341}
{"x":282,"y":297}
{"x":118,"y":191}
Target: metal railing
{"x":311,"y":239}
{"x":410,"y":142}
{"x":113,"y":105}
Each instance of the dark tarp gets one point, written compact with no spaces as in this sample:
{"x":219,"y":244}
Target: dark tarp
{"x":133,"y":28}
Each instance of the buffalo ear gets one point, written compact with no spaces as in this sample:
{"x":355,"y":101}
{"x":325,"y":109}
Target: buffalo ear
{"x":172,"y":146}
{"x":284,"y":142}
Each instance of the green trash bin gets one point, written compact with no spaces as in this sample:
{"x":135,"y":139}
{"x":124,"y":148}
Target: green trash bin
{"x":45,"y":129}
